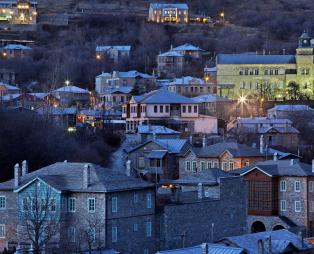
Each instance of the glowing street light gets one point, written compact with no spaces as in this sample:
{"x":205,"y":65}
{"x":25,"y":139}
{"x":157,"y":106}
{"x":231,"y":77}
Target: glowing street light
{"x":67,"y":82}
{"x":242,"y":99}
{"x":222,"y":14}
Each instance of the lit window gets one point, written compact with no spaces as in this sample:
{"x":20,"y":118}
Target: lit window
{"x":283,"y":205}
{"x":72,"y":205}
{"x":148,"y":230}
{"x":297,"y":186}
{"x":114,"y":234}
{"x":148,"y":200}
{"x":2,"y":202}
{"x":297,"y":206}
{"x":114,"y":204}
{"x":283,"y":185}
{"x":91,"y":205}
{"x":2,"y":231}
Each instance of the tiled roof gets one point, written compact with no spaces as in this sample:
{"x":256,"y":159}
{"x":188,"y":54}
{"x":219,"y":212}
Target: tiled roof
{"x":119,"y":48}
{"x":209,"y":98}
{"x":171,"y":54}
{"x":163,"y":96}
{"x":157,"y":129}
{"x":72,"y":89}
{"x":16,"y":47}
{"x":280,"y":168}
{"x":237,"y":150}
{"x":254,"y":59}
{"x":188,"y":80}
{"x":66,"y":176}
{"x":211,"y":247}
{"x":280,"y":240}
{"x":187,"y":47}
{"x":162,"y":6}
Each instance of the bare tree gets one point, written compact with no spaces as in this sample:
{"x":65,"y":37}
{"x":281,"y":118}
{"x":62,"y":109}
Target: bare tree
{"x":40,"y":220}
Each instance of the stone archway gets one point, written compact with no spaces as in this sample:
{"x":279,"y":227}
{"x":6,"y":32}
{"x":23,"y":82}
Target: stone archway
{"x":257,"y":227}
{"x":278,"y":227}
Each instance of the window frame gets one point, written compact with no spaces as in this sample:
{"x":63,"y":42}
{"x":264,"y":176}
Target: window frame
{"x":283,"y":208}
{"x":2,"y":231}
{"x":283,"y":183}
{"x":114,"y":204}
{"x":297,"y":183}
{"x":149,"y":200}
{"x":88,"y":205}
{"x":4,"y":202}
{"x":295,"y":206}
{"x":311,"y":186}
{"x":148,"y":229}
{"x":114,"y":234}
{"x":70,"y":205}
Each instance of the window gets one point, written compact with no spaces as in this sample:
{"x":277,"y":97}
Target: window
{"x":72,"y":205}
{"x":188,"y":166}
{"x":148,"y":200}
{"x":161,"y":109}
{"x":194,"y":166}
{"x":25,"y":204}
{"x":53,"y":205}
{"x":209,"y":164}
{"x":283,"y":185}
{"x":135,"y":227}
{"x":91,"y":205}
{"x":148,"y":230}
{"x":195,"y":109}
{"x":141,"y":162}
{"x":2,"y":202}
{"x":311,"y":187}
{"x":2,"y":231}
{"x":311,"y":206}
{"x":203,"y":165}
{"x":114,"y":204}
{"x":247,"y":163}
{"x":231,"y":165}
{"x":135,"y":198}
{"x":71,"y":234}
{"x":283,"y":205}
{"x":190,"y":109}
{"x":225,"y":166}
{"x":155,"y":109}
{"x":184,"y":109}
{"x":297,"y":186}
{"x":146,"y":251}
{"x":216,"y":164}
{"x":114,"y":234}
{"x":297,"y":206}
{"x":167,"y":109}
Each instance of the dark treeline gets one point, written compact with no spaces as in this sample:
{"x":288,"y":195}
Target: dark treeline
{"x":26,"y":136}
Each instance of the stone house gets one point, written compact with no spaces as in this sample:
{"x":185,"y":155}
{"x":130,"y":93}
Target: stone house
{"x":281,"y":195}
{"x":115,"y":53}
{"x":170,"y":64}
{"x":227,"y":156}
{"x":112,"y":99}
{"x":149,"y":132}
{"x":117,"y":211}
{"x":189,"y":50}
{"x":157,"y":158}
{"x":162,"y":12}
{"x":15,"y":51}
{"x":72,"y":95}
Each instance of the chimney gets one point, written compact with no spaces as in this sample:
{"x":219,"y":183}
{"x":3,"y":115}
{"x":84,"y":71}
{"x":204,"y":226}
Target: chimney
{"x":200,"y":191}
{"x":204,"y":248}
{"x":313,"y":165}
{"x":86,"y":176}
{"x":283,"y":51}
{"x":275,"y":156}
{"x":24,"y":168}
{"x":204,"y":141}
{"x":154,"y":135}
{"x":261,"y":144}
{"x":191,"y":140}
{"x":291,"y":162}
{"x":264,"y":52}
{"x":17,"y":175}
{"x":128,"y":168}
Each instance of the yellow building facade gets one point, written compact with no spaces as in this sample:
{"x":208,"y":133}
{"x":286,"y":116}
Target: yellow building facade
{"x":272,"y":77}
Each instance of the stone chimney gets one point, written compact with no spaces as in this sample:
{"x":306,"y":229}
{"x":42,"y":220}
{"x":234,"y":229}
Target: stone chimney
{"x":17,"y":174}
{"x":291,"y":162}
{"x":261,"y":144}
{"x":24,"y":168}
{"x":204,"y":141}
{"x":200,"y":191}
{"x":191,"y":139}
{"x":128,"y":168}
{"x":313,"y":165}
{"x":86,"y":176}
{"x":275,"y":157}
{"x":204,"y":248}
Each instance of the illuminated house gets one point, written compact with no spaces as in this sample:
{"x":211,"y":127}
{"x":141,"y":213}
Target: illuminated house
{"x":18,"y":12}
{"x":159,"y":12}
{"x":268,"y":76}
{"x":15,"y":51}
{"x":114,"y":53}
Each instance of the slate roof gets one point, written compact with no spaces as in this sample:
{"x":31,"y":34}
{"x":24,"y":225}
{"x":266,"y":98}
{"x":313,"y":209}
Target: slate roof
{"x":280,"y":239}
{"x":279,"y":168}
{"x":66,"y":176}
{"x":119,"y":48}
{"x":288,"y":129}
{"x":265,"y":120}
{"x":291,"y":108}
{"x":157,"y":129}
{"x":171,"y":54}
{"x":210,"y":69}
{"x":16,"y":47}
{"x":165,"y":97}
{"x":156,"y":154}
{"x":132,"y":74}
{"x":57,"y":111}
{"x":209,"y":98}
{"x":188,"y":80}
{"x":187,"y":47}
{"x":254,"y":59}
{"x":121,"y":89}
{"x":9,"y":97}
{"x":9,"y":87}
{"x":39,"y":95}
{"x":237,"y":150}
{"x":71,"y":89}
{"x":164,"y":5}
{"x":212,"y":249}
{"x":174,"y":146}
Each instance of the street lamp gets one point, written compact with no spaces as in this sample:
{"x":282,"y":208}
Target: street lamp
{"x":67,"y":82}
{"x":242,"y":99}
